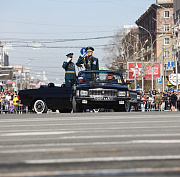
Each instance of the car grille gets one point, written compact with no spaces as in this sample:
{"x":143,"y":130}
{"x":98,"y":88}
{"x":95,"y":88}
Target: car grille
{"x":102,"y":92}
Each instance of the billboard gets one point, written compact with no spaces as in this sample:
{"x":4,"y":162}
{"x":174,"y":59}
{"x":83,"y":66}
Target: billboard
{"x":147,"y":70}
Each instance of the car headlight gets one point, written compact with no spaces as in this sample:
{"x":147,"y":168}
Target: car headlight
{"x":138,"y":97}
{"x":77,"y":92}
{"x":84,"y":93}
{"x":121,"y":93}
{"x":127,"y":93}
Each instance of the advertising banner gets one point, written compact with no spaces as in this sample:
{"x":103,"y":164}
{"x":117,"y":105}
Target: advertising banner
{"x":147,"y":70}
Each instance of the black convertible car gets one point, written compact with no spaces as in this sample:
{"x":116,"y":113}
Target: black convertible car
{"x":94,"y":89}
{"x":47,"y":97}
{"x":101,"y":89}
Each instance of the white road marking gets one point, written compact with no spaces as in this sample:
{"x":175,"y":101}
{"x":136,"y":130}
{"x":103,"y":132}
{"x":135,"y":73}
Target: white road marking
{"x":118,"y":117}
{"x":94,"y":172}
{"x":104,"y":159}
{"x":84,"y":144}
{"x":89,"y":137}
{"x":35,"y":133}
{"x":89,"y":123}
{"x":36,"y":150}
{"x":111,"y":128}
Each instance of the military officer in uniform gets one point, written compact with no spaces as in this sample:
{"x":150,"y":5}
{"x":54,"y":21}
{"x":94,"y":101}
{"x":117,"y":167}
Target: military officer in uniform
{"x":70,"y":75}
{"x":90,"y":62}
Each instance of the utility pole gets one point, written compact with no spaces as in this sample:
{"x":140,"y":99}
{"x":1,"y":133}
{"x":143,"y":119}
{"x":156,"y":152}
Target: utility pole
{"x":135,"y":79}
{"x":163,"y":67}
{"x":175,"y":59}
{"x":152,"y":56}
{"x":152,"y":63}
{"x":142,"y":71}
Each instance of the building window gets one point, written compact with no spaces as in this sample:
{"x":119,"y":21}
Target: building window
{"x":166,"y":54}
{"x":166,"y":41}
{"x":166,"y":28}
{"x":166,"y":14}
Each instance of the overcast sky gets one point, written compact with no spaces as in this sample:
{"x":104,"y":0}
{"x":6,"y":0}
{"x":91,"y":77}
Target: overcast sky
{"x":52,"y":21}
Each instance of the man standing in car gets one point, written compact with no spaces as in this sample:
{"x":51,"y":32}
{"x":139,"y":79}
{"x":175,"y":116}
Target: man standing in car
{"x":90,"y":62}
{"x":70,"y":75}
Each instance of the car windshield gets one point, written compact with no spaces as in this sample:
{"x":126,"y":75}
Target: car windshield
{"x":100,"y":76}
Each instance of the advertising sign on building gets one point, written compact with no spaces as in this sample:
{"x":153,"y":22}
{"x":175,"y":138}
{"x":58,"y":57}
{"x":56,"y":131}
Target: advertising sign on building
{"x":147,"y":70}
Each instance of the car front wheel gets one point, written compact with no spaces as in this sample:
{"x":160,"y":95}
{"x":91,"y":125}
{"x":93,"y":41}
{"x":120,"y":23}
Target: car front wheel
{"x":40,"y":107}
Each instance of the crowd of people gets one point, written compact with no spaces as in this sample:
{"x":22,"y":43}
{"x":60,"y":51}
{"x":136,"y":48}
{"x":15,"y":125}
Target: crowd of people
{"x":160,"y":101}
{"x":9,"y":101}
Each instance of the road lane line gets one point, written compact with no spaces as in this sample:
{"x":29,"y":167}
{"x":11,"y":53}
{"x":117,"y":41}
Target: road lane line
{"x":103,"y":159}
{"x":119,"y":117}
{"x":114,"y":123}
{"x":58,"y":150}
{"x":35,"y":133}
{"x":94,"y":172}
{"x":13,"y":151}
{"x":36,"y":150}
{"x":111,"y":128}
{"x":90,"y":137}
{"x":128,"y":122}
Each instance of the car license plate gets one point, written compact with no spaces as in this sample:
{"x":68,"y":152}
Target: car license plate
{"x":121,"y":102}
{"x":84,"y":101}
{"x":103,"y":98}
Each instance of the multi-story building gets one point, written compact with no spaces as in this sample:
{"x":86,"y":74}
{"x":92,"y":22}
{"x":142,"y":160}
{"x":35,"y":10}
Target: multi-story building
{"x":176,"y":28}
{"x":156,"y":26}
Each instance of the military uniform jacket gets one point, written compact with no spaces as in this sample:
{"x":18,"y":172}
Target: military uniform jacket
{"x":90,"y":63}
{"x":70,"y":70}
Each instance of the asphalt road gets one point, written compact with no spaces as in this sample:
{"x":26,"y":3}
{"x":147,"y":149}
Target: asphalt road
{"x":90,"y":144}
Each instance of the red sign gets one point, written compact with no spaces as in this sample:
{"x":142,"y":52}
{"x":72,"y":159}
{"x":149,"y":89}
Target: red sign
{"x":11,"y":82}
{"x":147,"y":70}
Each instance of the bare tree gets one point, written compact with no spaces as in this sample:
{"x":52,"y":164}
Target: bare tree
{"x":121,"y":50}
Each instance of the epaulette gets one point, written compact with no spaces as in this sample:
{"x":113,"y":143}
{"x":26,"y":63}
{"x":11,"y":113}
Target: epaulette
{"x":95,"y":57}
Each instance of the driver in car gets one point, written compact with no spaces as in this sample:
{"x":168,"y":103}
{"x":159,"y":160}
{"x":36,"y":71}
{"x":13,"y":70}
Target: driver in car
{"x":111,"y":78}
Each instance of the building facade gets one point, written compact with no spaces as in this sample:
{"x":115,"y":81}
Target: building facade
{"x":155,"y":25}
{"x":176,"y":30}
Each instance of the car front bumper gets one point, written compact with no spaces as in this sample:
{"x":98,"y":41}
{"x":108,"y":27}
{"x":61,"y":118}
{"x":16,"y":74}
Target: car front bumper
{"x":101,"y":102}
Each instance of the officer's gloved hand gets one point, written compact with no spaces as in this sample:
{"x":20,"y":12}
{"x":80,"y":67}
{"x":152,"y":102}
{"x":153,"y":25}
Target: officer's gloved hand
{"x":79,"y":65}
{"x":84,"y":55}
{"x":69,"y":59}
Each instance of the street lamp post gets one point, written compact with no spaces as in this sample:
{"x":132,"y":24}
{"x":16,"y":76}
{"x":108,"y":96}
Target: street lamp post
{"x":142,"y":58}
{"x":152,"y":59}
{"x":135,"y":79}
{"x":175,"y":59}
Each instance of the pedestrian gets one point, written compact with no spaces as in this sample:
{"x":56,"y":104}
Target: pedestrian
{"x":11,"y":106}
{"x":70,"y":75}
{"x":157,"y":100}
{"x":178,"y":101}
{"x":15,"y":100}
{"x":173,"y":101}
{"x":143,"y":103}
{"x":151,"y":102}
{"x":90,"y":62}
{"x":164,"y":99}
